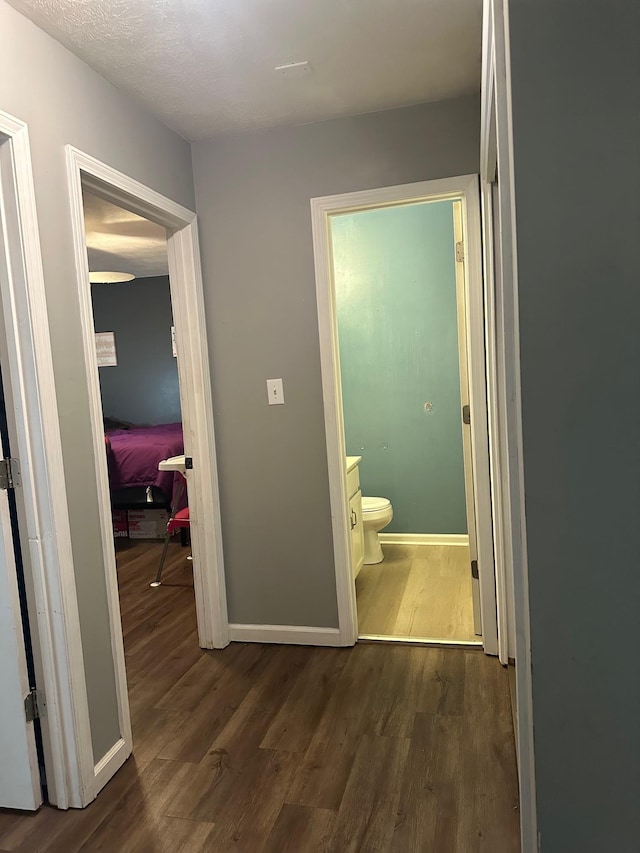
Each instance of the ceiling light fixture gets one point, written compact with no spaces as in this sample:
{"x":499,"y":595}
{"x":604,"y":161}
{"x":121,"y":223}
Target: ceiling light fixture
{"x":109,"y":277}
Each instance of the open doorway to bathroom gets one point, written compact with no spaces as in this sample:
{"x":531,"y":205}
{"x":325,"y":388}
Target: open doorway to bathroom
{"x":400,"y":316}
{"x":397,"y":288}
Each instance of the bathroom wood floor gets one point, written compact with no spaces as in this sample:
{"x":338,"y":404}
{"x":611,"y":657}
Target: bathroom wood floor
{"x":418,"y":591}
{"x":290,"y":749}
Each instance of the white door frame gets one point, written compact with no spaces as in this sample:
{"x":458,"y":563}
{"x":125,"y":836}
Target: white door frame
{"x":494,"y":365}
{"x":66,"y":731}
{"x":465,"y":400}
{"x":197,"y":414}
{"x":465,"y":189}
{"x":504,"y":367}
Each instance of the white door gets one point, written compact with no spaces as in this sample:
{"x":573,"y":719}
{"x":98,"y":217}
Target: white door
{"x":465,"y":415}
{"x":19,"y":775}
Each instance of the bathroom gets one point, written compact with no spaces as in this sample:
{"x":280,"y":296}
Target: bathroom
{"x":400,"y":314}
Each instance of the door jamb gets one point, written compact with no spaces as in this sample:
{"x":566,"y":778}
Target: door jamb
{"x":187,"y":299}
{"x":496,"y":100}
{"x":495,"y":365}
{"x":464,"y":188}
{"x":462,"y":318}
{"x":33,"y":392}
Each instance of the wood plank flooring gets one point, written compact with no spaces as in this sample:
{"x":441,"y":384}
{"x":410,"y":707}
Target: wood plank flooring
{"x":418,"y":591}
{"x":290,"y":749}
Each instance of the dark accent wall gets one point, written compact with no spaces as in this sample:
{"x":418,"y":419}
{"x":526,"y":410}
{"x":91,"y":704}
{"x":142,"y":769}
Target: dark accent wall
{"x":143,"y":387}
{"x":576,"y":130}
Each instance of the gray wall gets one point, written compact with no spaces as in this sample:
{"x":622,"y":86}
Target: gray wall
{"x":63,"y":101}
{"x":252,"y":193}
{"x":143,"y":388}
{"x":576,"y":90}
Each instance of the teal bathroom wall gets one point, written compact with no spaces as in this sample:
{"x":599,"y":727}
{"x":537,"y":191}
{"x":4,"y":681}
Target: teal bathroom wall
{"x":394,"y":272}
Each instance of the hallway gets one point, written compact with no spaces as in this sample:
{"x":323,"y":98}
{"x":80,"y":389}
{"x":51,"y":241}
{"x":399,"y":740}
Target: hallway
{"x":270,"y":749}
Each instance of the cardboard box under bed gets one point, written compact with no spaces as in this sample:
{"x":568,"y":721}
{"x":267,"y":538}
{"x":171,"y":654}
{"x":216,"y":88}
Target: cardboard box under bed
{"x":147,"y":523}
{"x":139,"y":513}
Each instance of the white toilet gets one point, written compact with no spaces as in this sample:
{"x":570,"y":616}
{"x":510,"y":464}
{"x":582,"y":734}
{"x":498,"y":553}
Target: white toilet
{"x":376,"y":514}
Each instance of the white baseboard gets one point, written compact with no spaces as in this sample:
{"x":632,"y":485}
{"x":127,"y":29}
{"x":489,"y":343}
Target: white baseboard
{"x":110,"y":763}
{"x":285,"y":634}
{"x":424,"y":538}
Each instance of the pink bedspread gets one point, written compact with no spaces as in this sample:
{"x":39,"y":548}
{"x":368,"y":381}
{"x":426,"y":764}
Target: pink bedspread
{"x":134,"y":454}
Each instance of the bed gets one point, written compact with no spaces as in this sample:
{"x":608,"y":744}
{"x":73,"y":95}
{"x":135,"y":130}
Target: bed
{"x":133,"y":455}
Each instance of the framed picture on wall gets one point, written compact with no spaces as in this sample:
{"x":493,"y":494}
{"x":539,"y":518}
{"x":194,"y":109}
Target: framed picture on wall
{"x":106,"y":349}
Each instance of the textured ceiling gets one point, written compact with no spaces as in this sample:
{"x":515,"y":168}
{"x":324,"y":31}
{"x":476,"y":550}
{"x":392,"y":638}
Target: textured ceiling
{"x":206,"y":67}
{"x":120,"y":241}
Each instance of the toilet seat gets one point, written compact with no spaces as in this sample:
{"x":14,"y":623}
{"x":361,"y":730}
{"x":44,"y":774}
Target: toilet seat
{"x":375,"y":504}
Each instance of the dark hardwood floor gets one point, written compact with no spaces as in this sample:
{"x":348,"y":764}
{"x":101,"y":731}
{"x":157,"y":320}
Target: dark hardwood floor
{"x":289,"y":749}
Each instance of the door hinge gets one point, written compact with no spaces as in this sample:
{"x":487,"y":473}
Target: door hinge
{"x":35,"y":706}
{"x":459,"y":250}
{"x":474,"y":570}
{"x":466,"y":414}
{"x":10,"y":474}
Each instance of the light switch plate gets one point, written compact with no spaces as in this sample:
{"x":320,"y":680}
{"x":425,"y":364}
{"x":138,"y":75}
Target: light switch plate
{"x":275,"y":392}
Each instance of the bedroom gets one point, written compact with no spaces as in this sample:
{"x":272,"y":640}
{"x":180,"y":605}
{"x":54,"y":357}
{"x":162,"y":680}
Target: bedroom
{"x":140,"y":393}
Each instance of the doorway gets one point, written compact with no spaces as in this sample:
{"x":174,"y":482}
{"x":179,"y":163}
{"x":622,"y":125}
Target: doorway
{"x":90,"y":178}
{"x":143,"y":428}
{"x":423,"y":572}
{"x":34,"y":440}
{"x":402,"y":343}
{"x":20,"y":741}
